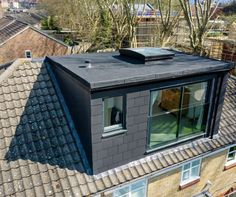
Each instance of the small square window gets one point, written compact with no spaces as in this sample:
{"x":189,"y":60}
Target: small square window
{"x":113,"y":113}
{"x":190,"y":172}
{"x":28,"y":54}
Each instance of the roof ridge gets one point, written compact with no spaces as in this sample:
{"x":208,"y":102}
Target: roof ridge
{"x":12,"y":68}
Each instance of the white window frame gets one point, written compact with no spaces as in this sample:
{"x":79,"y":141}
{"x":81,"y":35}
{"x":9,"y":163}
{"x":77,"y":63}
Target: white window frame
{"x":28,"y":51}
{"x":190,"y":179}
{"x":129,"y":186}
{"x":233,"y":160}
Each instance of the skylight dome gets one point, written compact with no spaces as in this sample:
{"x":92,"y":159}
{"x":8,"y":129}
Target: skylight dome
{"x":147,"y":53}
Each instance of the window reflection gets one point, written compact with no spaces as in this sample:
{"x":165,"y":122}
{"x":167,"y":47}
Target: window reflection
{"x":177,"y":113}
{"x":113,"y":113}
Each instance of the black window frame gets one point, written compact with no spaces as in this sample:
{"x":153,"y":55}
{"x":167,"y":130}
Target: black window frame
{"x":205,"y":118}
{"x":123,"y":116}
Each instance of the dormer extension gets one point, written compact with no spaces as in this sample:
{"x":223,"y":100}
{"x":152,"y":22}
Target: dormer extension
{"x":130,"y":104}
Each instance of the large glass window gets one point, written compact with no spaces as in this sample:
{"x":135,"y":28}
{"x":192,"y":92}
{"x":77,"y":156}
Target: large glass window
{"x":137,"y":189}
{"x":177,"y":113}
{"x":113,"y":113}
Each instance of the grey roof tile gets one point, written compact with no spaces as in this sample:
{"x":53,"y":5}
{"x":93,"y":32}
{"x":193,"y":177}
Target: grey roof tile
{"x":21,"y":194}
{"x":28,"y":183}
{"x":84,"y":190}
{"x":30,"y":192}
{"x":162,"y":161}
{"x":73,"y":181}
{"x":18,"y":186}
{"x":39,"y":191}
{"x":107,"y":182}
{"x":157,"y":163}
{"x":57,"y":187}
{"x":2,"y":190}
{"x":168,"y":160}
{"x":48,"y":189}
{"x":65,"y":184}
{"x":114,"y":180}
{"x":37,"y":181}
{"x":151,"y":165}
{"x":76,"y":191}
{"x":139,"y":169}
{"x":8,"y":189}
{"x":45,"y":177}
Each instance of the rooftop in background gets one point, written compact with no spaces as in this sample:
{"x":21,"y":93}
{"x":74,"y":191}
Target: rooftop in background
{"x":104,"y":70}
{"x":10,"y":27}
{"x":27,"y":17}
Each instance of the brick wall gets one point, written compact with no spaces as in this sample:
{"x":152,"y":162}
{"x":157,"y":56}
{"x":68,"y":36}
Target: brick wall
{"x":117,"y":150}
{"x":212,"y":169}
{"x":37,"y":43}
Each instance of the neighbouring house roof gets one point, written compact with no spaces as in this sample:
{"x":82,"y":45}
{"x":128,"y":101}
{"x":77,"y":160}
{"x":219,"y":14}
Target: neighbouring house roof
{"x":29,"y":18}
{"x":40,"y":152}
{"x":110,"y":69}
{"x":10,"y":27}
{"x":4,"y":21}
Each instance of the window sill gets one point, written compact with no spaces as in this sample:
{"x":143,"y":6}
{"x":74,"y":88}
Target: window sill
{"x":230,"y":165}
{"x":189,"y":183}
{"x":114,"y":133}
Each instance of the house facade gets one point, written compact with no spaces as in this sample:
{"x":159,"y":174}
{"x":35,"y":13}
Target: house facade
{"x":19,"y":40}
{"x":139,"y":122}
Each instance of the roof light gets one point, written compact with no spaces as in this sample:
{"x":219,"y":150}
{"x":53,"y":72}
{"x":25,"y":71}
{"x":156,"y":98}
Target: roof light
{"x":147,"y":54}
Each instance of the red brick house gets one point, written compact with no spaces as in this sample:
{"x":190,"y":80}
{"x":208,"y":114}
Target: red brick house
{"x":20,"y":40}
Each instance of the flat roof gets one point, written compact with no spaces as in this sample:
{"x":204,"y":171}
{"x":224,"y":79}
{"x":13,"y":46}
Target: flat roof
{"x":106,"y":70}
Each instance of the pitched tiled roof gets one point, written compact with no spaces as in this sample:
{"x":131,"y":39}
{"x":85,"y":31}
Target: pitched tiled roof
{"x":29,"y":18}
{"x":10,"y":29}
{"x":4,"y":21}
{"x":39,"y":154}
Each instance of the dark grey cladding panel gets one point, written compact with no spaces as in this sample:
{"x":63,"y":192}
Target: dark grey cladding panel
{"x":106,"y":70}
{"x":117,"y":150}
